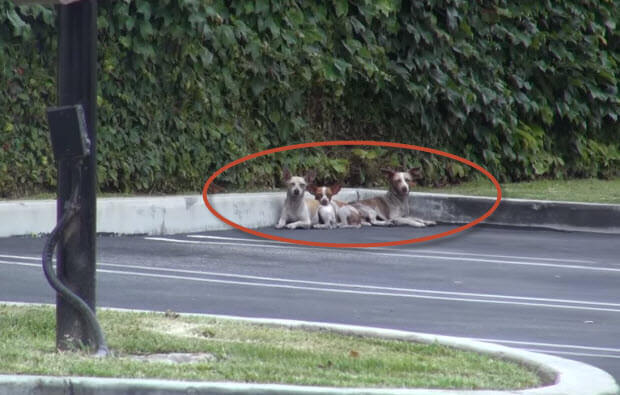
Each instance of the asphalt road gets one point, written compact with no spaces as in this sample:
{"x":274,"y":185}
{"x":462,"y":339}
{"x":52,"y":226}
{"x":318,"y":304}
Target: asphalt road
{"x":545,"y":291}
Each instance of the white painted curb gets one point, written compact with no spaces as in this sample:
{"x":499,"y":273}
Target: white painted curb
{"x":188,"y":213}
{"x":571,"y":377}
{"x":27,"y":217}
{"x":152,"y":215}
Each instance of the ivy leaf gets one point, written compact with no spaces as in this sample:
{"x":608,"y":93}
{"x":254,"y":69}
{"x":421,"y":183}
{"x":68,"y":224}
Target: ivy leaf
{"x":342,"y":7}
{"x":258,"y":86}
{"x":452,"y":18}
{"x":248,"y":7}
{"x":358,"y":26}
{"x":145,"y":50}
{"x":385,"y":6}
{"x":227,"y":35}
{"x":125,"y":41}
{"x":144,"y":7}
{"x":262,"y":6}
{"x":352,"y":45}
{"x":342,"y":66}
{"x":20,"y":27}
{"x":273,"y":27}
{"x":130,"y":23}
{"x":196,"y":19}
{"x":509,"y":152}
{"x":146,"y":30}
{"x":330,"y":72}
{"x":340,"y":166}
{"x":295,"y":17}
{"x":254,"y":49}
{"x":206,"y":57}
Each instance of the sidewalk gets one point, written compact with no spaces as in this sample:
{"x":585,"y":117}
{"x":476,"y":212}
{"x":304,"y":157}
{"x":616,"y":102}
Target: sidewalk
{"x":188,"y":213}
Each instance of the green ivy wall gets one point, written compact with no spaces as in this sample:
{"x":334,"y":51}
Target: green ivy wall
{"x":527,"y":89}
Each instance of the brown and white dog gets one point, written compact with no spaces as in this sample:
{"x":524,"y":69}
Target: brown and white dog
{"x":298,"y":211}
{"x":331,"y":212}
{"x":393,"y":207}
{"x":326,"y":213}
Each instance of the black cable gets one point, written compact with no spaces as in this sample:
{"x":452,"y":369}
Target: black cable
{"x":70,"y":210}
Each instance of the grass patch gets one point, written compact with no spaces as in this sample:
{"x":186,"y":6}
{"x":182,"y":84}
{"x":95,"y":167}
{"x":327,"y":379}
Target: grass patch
{"x":584,"y":190}
{"x":248,"y":353}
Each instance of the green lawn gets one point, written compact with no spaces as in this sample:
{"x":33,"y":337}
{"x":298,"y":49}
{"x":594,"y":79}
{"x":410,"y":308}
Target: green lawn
{"x":586,"y":190}
{"x":248,"y":353}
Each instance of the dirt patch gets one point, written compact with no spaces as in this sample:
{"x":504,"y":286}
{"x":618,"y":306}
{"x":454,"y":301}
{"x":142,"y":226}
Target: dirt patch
{"x":177,"y":328}
{"x":176,"y":357}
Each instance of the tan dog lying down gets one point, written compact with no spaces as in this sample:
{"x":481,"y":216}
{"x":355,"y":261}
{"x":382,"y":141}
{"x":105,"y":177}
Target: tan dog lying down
{"x":393,"y":207}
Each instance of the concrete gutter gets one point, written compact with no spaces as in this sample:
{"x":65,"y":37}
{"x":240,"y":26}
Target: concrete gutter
{"x":187,"y":213}
{"x":565,"y":376}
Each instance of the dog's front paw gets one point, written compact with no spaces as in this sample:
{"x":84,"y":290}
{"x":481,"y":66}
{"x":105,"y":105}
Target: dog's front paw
{"x":429,"y":223}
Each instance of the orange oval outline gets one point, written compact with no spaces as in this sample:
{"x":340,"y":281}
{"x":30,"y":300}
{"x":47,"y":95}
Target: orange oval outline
{"x":352,"y":245}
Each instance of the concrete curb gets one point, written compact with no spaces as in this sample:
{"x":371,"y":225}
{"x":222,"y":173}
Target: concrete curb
{"x":570,"y":377}
{"x":187,"y":213}
{"x":564,"y":216}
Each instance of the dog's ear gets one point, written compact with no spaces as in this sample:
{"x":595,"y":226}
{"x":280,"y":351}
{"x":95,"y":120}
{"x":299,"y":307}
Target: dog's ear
{"x":416,"y":173}
{"x":310,"y":174}
{"x":388,"y":172}
{"x":286,"y":174}
{"x":311,"y":188}
{"x":335,"y":188}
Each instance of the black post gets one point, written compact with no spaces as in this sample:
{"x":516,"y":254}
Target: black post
{"x":77,"y":60}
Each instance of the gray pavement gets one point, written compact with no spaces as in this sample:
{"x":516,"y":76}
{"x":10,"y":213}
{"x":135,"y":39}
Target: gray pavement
{"x":548,"y":291}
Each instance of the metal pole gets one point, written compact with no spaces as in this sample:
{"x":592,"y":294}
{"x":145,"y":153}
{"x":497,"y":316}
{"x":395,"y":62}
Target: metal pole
{"x":77,"y":60}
